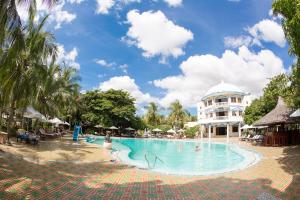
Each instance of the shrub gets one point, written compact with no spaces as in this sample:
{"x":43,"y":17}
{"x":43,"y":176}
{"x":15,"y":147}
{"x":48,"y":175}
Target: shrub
{"x":191,"y":132}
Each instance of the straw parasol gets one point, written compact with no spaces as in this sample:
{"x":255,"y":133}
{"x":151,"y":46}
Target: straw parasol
{"x":171,"y":131}
{"x":157,"y":130}
{"x":129,"y":129}
{"x":113,"y":128}
{"x":33,"y":114}
{"x":279,"y":115}
{"x":296,"y":113}
{"x":246,"y":126}
{"x":56,"y":121}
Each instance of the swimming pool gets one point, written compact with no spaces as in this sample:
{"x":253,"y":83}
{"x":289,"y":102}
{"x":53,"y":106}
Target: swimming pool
{"x":182,"y":157}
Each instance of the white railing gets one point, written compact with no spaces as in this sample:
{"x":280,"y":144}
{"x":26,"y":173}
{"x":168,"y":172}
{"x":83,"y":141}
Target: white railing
{"x":221,"y":117}
{"x":221,"y":103}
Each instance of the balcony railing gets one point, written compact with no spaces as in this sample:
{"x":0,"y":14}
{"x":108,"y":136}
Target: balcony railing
{"x":221,"y":117}
{"x":221,"y":103}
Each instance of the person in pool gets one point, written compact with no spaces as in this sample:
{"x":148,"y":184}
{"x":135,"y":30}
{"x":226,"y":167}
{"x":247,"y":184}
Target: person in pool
{"x":197,"y":148}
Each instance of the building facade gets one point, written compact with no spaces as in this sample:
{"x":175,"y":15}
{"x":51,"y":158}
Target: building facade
{"x":220,"y":111}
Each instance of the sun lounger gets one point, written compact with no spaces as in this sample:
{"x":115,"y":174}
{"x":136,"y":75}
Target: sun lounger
{"x":245,"y":138}
{"x":45,"y":134}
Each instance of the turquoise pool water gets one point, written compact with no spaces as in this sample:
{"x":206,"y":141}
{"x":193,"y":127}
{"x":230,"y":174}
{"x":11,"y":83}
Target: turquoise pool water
{"x":181,"y":157}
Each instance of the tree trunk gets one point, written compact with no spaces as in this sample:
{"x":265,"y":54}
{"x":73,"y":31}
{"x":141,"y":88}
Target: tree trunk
{"x":10,"y":124}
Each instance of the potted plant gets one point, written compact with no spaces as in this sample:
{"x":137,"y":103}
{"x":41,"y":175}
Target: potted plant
{"x":107,"y":141}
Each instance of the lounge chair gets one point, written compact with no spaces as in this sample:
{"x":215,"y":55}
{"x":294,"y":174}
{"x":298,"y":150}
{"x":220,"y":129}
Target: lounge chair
{"x":33,"y":138}
{"x":45,"y":134}
{"x":245,"y":138}
{"x":253,"y":138}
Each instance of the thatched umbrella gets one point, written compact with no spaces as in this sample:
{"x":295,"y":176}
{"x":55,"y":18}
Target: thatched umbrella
{"x":112,"y":128}
{"x":279,"y":115}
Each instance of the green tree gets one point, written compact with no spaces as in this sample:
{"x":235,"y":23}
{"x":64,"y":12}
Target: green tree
{"x":192,"y":132}
{"x":152,"y":117}
{"x":23,"y":64}
{"x":177,"y":114}
{"x":112,"y":107}
{"x":27,"y":78}
{"x":278,"y":86}
{"x":290,"y":10}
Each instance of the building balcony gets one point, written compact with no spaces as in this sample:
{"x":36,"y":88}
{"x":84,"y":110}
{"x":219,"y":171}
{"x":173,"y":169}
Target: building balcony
{"x":221,"y":104}
{"x":221,"y":117}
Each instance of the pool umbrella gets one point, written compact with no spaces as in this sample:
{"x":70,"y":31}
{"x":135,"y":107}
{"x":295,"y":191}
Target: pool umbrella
{"x":129,"y":129}
{"x":246,"y":126}
{"x":296,"y":113}
{"x":33,"y":114}
{"x":113,"y":128}
{"x":56,"y":121}
{"x":157,"y":130}
{"x":171,"y":131}
{"x":181,"y":130}
{"x":98,"y":126}
{"x":66,"y":123}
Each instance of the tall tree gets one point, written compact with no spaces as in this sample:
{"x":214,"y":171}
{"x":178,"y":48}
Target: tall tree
{"x":177,"y":114}
{"x":152,"y":117}
{"x":112,"y":107}
{"x":23,"y":64}
{"x":290,"y":11}
{"x":278,"y":86}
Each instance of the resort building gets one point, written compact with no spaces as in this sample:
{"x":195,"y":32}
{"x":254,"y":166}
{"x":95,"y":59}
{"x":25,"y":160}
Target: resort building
{"x":220,"y":112}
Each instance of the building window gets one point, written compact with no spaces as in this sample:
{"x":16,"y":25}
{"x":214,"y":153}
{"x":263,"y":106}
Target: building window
{"x":239,"y":100}
{"x":235,"y":129}
{"x":233,"y":113}
{"x":240,"y":113}
{"x":209,"y":102}
{"x":205,"y":104}
{"x":210,"y":115}
{"x":233,"y":99}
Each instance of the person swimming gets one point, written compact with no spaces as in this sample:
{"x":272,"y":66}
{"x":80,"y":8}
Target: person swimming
{"x":197,"y":148}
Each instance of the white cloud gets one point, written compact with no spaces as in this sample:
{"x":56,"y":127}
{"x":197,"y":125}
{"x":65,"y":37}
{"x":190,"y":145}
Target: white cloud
{"x":173,"y":3}
{"x":103,"y":6}
{"x":156,"y":35}
{"x":69,"y":58}
{"x":268,"y":31}
{"x":124,"y":68}
{"x":75,"y":1}
{"x":235,"y":42}
{"x":127,"y":84}
{"x":248,"y":70}
{"x":104,"y":63}
{"x":57,"y":14}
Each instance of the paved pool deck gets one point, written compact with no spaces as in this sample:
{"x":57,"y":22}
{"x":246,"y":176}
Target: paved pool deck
{"x":60,"y":169}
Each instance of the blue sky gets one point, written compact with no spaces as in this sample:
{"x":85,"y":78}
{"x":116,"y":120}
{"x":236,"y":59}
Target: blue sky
{"x":162,"y":50}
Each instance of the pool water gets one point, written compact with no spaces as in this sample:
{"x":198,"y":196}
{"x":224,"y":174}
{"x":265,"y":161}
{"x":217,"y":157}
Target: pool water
{"x":181,"y":156}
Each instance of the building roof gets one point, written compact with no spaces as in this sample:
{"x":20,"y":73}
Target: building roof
{"x":223,"y":88}
{"x":279,"y":115}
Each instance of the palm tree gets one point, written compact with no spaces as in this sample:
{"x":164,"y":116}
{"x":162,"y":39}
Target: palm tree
{"x":57,"y":91}
{"x":177,"y":114}
{"x":152,"y":116}
{"x":22,"y":64}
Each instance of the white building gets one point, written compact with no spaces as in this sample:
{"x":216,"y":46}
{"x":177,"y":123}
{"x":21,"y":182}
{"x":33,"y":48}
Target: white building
{"x":220,"y":111}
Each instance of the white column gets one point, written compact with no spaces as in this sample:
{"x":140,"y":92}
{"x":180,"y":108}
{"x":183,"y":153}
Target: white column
{"x":209,"y":131}
{"x":201,"y":132}
{"x":227,"y":131}
{"x":240,"y":130}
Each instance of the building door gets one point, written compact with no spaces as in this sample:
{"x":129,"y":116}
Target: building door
{"x":221,"y":131}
